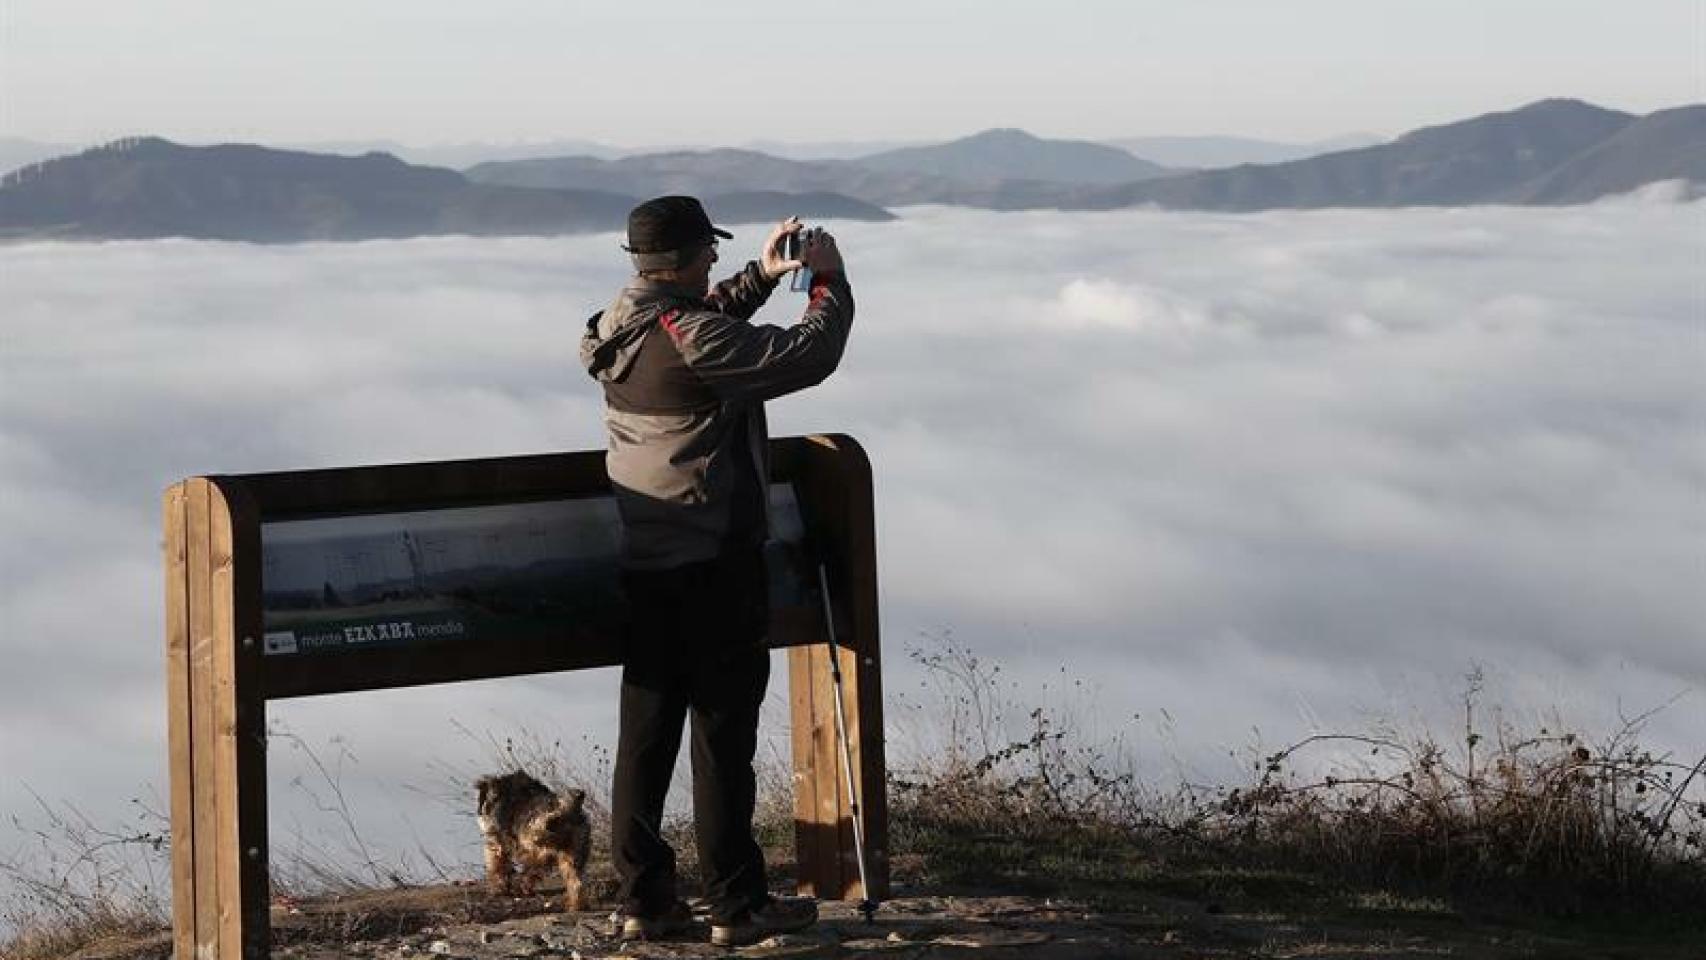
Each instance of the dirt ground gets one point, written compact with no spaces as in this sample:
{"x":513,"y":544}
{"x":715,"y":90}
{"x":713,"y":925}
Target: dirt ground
{"x":467,"y":923}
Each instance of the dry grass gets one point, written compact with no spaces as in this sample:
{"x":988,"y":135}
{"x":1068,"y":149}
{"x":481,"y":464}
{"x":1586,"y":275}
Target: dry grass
{"x":76,"y":882}
{"x":1538,"y":824}
{"x":1545,"y":819}
{"x":1541,"y":823}
{"x":43,"y":940}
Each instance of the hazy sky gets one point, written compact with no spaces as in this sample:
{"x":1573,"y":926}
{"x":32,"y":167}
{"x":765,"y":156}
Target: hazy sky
{"x":1260,"y":475}
{"x":673,"y":71}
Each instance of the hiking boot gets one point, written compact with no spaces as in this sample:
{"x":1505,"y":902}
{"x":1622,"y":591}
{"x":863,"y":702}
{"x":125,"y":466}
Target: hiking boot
{"x":678,"y":919}
{"x":776,"y":916}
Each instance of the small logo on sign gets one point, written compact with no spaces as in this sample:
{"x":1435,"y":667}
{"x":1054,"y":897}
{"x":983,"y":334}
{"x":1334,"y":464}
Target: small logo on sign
{"x":283,"y":641}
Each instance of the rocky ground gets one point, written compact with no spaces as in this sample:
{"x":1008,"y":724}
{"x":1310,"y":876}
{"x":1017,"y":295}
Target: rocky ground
{"x":464,"y":922}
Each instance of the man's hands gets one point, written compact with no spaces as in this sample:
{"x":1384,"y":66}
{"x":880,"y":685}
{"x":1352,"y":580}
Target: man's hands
{"x":819,"y":253}
{"x":772,"y":261}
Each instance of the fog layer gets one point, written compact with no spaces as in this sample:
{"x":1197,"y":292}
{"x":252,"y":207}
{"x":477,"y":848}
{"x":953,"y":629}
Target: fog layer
{"x":1257,"y":475}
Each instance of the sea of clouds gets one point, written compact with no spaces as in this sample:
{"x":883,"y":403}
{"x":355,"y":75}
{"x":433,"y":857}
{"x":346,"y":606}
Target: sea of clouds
{"x":1199,"y":483}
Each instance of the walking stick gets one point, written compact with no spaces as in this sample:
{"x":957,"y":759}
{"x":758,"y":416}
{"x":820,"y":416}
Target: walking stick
{"x":867,"y":906}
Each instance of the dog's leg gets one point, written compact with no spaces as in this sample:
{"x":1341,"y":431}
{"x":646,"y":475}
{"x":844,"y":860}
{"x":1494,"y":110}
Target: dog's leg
{"x":572,"y":863}
{"x":498,"y":867}
{"x":574,"y":899}
{"x":528,"y":880}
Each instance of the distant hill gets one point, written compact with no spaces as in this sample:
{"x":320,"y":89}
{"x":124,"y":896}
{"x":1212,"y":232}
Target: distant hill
{"x":1209,"y":153}
{"x":460,"y":155}
{"x":1667,"y":145}
{"x":149,"y":187}
{"x":1007,"y":154}
{"x":763,"y":206}
{"x":709,"y":172}
{"x":1487,"y":159}
{"x":697,"y":172}
{"x":17,"y":152}
{"x":816,"y":149}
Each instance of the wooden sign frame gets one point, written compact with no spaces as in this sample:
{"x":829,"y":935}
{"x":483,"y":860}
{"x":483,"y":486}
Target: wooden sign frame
{"x":219,"y":678}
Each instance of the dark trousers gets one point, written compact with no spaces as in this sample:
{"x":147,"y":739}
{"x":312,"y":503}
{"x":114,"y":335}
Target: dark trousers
{"x":696,"y":647}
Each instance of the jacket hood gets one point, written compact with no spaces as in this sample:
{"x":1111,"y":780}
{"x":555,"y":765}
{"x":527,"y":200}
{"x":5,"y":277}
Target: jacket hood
{"x":608,"y":348}
{"x":614,"y":335}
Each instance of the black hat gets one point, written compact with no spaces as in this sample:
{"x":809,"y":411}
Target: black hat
{"x":670,"y":223}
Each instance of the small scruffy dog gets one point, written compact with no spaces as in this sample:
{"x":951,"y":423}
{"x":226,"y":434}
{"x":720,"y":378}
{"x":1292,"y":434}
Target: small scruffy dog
{"x":527,"y":828}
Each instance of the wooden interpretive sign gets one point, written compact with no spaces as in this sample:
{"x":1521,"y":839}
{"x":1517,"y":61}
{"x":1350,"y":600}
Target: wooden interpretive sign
{"x":365,"y":578}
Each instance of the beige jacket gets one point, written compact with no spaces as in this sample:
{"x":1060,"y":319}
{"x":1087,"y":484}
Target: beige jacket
{"x":685,"y":379}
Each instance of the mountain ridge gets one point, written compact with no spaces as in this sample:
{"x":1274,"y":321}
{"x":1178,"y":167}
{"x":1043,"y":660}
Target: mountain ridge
{"x":1211,"y":152}
{"x":1486,"y":159}
{"x":1491,"y":158}
{"x":1663,"y":145}
{"x":1007,"y":153}
{"x":1549,"y":152}
{"x":149,"y":187}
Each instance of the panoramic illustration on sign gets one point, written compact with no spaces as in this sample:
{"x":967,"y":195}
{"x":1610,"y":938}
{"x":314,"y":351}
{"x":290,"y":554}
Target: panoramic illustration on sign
{"x":518,"y":570}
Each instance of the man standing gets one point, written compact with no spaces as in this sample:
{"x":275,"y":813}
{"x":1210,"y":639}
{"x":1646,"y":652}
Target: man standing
{"x":685,"y":376}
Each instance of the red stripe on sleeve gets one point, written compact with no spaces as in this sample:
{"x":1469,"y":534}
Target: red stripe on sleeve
{"x":820,"y":286}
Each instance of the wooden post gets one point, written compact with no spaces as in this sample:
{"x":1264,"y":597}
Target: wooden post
{"x":835,"y":477}
{"x":178,"y":722}
{"x":217,"y":724}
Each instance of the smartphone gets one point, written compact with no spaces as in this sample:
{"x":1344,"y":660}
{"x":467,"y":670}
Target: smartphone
{"x":802,"y":278}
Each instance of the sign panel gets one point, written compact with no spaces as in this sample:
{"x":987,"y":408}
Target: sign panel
{"x":313,"y":582}
{"x":515,"y":571}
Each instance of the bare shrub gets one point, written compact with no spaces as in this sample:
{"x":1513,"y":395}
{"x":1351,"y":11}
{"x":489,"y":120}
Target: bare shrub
{"x":1546,"y":818}
{"x":1542,"y":820}
{"x":987,"y":799}
{"x":75,"y":882}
